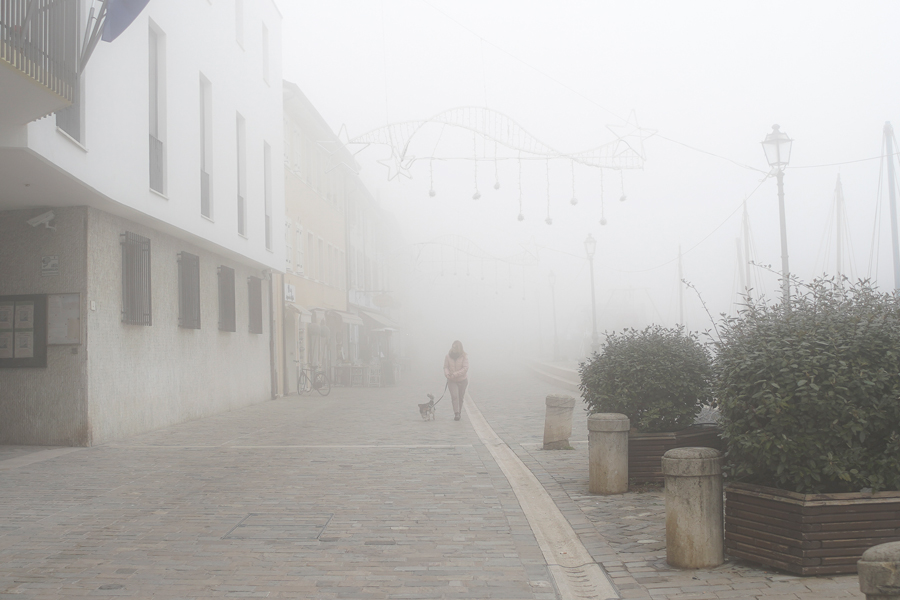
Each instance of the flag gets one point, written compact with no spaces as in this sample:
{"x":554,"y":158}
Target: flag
{"x":119,"y":15}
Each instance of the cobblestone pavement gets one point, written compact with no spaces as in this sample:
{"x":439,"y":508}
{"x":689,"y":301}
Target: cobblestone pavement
{"x":347,"y":496}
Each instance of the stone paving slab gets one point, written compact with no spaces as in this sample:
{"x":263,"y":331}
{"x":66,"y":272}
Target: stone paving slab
{"x":626,"y":533}
{"x":410,"y":509}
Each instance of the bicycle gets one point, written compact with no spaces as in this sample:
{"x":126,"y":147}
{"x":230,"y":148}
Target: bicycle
{"x":313,"y":378}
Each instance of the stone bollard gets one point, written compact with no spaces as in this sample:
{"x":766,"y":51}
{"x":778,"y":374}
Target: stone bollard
{"x":558,"y":422}
{"x":695,"y":536}
{"x":879,"y":572}
{"x":608,"y":453}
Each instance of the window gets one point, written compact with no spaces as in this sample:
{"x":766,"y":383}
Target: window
{"x":267,"y":181}
{"x":241,"y":175}
{"x":311,"y":261}
{"x":157,"y":102}
{"x":265,"y":53}
{"x":71,"y":118}
{"x":188,"y":290}
{"x":299,"y":261}
{"x":136,"y":299}
{"x":342,"y":269}
{"x":289,"y":244}
{"x":352,"y":273}
{"x":226,"y":299}
{"x":329,"y":265}
{"x":254,"y":285}
{"x":239,"y":22}
{"x":321,"y":255}
{"x":205,"y":147}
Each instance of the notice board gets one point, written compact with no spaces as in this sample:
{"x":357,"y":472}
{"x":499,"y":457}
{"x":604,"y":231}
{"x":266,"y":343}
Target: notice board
{"x":23,"y":331}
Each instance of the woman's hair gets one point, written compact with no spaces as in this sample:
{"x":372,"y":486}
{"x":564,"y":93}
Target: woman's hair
{"x":457,"y":348}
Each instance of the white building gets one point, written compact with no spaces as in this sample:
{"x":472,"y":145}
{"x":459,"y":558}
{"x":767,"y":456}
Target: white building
{"x":142,"y":302}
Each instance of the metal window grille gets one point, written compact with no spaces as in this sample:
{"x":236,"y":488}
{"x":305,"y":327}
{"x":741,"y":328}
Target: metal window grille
{"x":242,"y":215}
{"x":156,"y":164}
{"x":136,"y":297}
{"x":226,"y":299}
{"x":204,"y":194}
{"x":254,"y":285}
{"x":188,"y":290}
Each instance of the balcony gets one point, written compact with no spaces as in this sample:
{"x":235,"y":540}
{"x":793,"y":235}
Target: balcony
{"x":38,"y":49}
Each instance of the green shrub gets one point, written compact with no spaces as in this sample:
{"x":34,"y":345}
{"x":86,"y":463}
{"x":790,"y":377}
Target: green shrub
{"x":810,"y":395}
{"x":658,"y":378}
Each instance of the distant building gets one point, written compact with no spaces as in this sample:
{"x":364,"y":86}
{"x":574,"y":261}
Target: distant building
{"x":140,"y":221}
{"x":334,"y":239}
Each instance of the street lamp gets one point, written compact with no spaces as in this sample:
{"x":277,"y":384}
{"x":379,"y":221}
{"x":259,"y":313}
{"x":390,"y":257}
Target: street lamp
{"x":553,"y":298}
{"x":590,"y":246}
{"x":777,"y":147}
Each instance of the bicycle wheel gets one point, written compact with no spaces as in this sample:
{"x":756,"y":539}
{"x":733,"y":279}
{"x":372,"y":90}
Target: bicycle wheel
{"x":323,"y":385}
{"x":303,"y":383}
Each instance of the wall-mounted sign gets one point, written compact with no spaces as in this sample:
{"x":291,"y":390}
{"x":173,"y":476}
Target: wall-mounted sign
{"x":23,"y":331}
{"x":49,"y":266}
{"x":290,"y":294}
{"x":63,"y":319}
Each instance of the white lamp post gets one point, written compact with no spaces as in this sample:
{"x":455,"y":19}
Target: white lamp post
{"x":553,"y":298}
{"x":777,"y":147}
{"x":590,"y":246}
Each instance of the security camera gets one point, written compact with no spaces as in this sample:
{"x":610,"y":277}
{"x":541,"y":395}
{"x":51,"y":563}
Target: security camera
{"x":43,"y":219}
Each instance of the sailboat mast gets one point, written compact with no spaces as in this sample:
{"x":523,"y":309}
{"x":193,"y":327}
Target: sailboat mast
{"x":839,"y":213}
{"x":889,"y":147}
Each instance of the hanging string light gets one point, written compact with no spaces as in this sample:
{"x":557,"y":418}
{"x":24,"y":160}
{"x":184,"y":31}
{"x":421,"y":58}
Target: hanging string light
{"x":477,"y":194}
{"x":521,"y":214}
{"x":496,"y":174}
{"x":574,"y":200}
{"x":548,"y":220}
{"x":602,"y":215}
{"x":622,"y":198}
{"x":431,"y":191}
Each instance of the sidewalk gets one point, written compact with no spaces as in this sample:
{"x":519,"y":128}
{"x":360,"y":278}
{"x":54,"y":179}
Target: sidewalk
{"x":347,"y":496}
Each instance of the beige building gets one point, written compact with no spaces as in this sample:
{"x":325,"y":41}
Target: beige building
{"x":333,"y":310}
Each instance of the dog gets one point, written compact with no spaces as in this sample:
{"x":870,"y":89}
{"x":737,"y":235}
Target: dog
{"x":427,"y":409}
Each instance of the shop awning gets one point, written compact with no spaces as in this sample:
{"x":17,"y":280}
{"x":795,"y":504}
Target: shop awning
{"x":347,"y":318}
{"x":305,"y":315}
{"x":379,"y":322}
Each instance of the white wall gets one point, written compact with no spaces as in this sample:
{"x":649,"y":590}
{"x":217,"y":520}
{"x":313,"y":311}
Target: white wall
{"x":142,"y":378}
{"x":114,"y":159}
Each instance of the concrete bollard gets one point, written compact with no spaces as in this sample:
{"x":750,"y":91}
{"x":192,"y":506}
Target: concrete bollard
{"x":695,"y":536}
{"x":608,"y":453}
{"x":558,"y":422}
{"x":879,"y":572}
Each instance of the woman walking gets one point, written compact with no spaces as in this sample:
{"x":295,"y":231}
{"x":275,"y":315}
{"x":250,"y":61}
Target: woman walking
{"x":456,"y":370}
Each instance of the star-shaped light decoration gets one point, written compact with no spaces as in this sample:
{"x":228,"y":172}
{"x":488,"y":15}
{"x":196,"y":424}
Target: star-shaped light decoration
{"x":397,"y":165}
{"x":630,"y":137}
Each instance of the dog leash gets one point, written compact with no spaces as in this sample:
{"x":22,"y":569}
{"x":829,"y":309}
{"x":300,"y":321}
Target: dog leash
{"x":446,"y":387}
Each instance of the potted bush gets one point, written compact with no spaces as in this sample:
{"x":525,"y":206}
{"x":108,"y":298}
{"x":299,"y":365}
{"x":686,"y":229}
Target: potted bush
{"x":809,"y":394}
{"x":659,"y":378}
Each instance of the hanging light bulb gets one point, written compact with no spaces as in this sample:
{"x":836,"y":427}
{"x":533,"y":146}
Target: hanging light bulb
{"x":603,"y":220}
{"x":496,"y":185}
{"x":573,"y":201}
{"x":476,"y":195}
{"x":521,"y":217}
{"x":622,"y":198}
{"x":432,"y":193}
{"x":548,"y":221}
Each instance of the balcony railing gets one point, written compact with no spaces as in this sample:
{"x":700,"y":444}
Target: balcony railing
{"x":39,"y":39}
{"x":205,"y":205}
{"x":157,"y":181}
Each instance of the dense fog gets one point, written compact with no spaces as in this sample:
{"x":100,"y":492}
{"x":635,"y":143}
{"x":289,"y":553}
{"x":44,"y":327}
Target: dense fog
{"x":693,"y":87}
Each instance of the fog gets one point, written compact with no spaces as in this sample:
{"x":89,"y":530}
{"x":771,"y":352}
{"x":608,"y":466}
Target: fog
{"x":695,"y":86}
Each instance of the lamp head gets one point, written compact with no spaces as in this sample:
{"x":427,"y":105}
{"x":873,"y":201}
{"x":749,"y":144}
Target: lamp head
{"x":590,"y":246}
{"x":777,"y":147}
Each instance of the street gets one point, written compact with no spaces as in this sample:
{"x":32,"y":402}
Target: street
{"x":346,"y":496}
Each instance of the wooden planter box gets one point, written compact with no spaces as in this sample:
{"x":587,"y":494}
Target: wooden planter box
{"x":807,"y":534}
{"x":645,"y":450}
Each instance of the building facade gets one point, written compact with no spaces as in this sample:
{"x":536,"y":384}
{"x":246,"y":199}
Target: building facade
{"x":334,"y":239}
{"x":138,"y":220}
